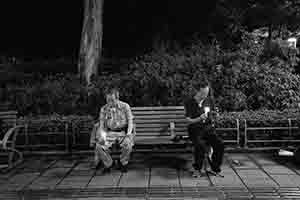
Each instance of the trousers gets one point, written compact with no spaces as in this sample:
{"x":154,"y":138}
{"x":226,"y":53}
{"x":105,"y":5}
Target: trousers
{"x":201,"y":138}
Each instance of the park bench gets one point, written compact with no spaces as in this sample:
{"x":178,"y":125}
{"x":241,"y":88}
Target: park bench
{"x":155,"y":129}
{"x":9,"y":132}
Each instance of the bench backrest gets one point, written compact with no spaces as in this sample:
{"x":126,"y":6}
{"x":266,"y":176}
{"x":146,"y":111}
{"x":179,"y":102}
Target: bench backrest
{"x":155,"y":121}
{"x":8,"y":118}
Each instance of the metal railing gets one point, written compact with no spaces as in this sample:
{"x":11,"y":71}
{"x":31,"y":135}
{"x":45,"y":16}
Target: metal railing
{"x":237,"y":130}
{"x":243,"y":136}
{"x":251,"y":130}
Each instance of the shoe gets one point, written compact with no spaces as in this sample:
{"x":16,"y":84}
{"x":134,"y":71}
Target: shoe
{"x":197,"y":173}
{"x":216,"y":172}
{"x":195,"y":166}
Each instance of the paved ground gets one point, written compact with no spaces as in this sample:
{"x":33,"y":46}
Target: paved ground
{"x":247,"y":176}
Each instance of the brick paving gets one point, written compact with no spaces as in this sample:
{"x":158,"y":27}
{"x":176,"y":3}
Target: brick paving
{"x":246,"y":176}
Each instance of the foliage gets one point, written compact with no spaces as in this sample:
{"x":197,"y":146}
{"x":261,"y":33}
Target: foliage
{"x":241,"y":78}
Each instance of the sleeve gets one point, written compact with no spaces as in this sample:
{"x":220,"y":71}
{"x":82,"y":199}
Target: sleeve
{"x":187,"y":109}
{"x":101,"y":114}
{"x":102,"y":118}
{"x":128,"y":112}
{"x":213,"y":114}
{"x":129,"y":118}
{"x":212,"y":100}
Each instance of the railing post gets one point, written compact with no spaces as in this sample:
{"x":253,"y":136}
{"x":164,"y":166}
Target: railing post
{"x":290,"y":127}
{"x":290,"y":131}
{"x":26,"y":137}
{"x":245,"y":134}
{"x":73,"y":134}
{"x":66,"y":138}
{"x":238,"y":132}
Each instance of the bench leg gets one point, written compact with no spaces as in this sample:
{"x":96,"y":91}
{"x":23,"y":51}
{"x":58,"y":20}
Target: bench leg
{"x":11,"y":153}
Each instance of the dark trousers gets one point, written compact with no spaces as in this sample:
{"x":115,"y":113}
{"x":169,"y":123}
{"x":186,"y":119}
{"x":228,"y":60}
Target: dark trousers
{"x":201,"y":139}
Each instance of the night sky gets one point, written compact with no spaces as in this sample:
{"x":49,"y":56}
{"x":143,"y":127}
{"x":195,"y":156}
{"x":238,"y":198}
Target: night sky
{"x":40,"y":28}
{"x":52,"y":28}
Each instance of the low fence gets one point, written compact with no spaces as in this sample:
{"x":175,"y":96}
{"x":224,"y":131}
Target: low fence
{"x":69,"y":136}
{"x":281,"y":133}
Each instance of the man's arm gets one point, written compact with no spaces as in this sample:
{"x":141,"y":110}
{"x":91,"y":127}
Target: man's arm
{"x":101,"y":119}
{"x":130,"y":119}
{"x":188,"y":114}
{"x":197,"y":119}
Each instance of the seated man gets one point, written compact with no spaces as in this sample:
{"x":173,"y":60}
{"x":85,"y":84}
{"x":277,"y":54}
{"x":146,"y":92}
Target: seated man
{"x":198,"y":110}
{"x":115,"y":126}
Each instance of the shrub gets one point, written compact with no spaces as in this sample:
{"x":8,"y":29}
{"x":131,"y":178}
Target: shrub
{"x":241,"y":79}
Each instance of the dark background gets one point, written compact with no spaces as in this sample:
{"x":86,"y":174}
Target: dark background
{"x":52,"y":28}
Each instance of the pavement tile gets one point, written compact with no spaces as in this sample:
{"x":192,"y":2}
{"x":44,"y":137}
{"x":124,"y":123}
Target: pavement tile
{"x":64,"y":163}
{"x":137,"y":176}
{"x":73,"y":179}
{"x":44,"y":182}
{"x":104,"y":181}
{"x":74,"y":182}
{"x":287,"y":180}
{"x":163,"y":177}
{"x":278,"y":170}
{"x":230,"y":179}
{"x":187,"y":180}
{"x":56,"y":172}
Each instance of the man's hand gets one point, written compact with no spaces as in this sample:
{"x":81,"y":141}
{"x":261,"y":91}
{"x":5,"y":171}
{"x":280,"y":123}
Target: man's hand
{"x":101,"y":140}
{"x":203,"y":116}
{"x":189,"y":120}
{"x":92,"y":144}
{"x":129,"y":135}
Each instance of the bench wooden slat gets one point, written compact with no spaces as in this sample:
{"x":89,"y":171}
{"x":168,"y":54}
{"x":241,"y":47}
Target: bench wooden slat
{"x":158,"y":121}
{"x":8,"y":113}
{"x":156,"y":129}
{"x":8,"y":117}
{"x":154,"y":125}
{"x":157,"y":134}
{"x":158,"y":108}
{"x":8,"y":120}
{"x":168,"y":117}
{"x":146,"y":138}
{"x":135,"y":113}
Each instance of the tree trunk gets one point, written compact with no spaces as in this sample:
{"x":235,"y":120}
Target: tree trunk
{"x":91,"y":40}
{"x":270,"y":30}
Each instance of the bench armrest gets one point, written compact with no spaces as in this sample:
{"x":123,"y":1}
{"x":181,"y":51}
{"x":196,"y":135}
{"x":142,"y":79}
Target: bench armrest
{"x":8,"y":134}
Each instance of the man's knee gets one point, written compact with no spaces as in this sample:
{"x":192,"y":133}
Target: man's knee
{"x":220,"y":143}
{"x":200,"y":149}
{"x":126,"y":147}
{"x":126,"y":144}
{"x":100,"y":148}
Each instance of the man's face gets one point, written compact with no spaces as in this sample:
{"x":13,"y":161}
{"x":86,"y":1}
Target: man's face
{"x":202,"y":93}
{"x":111,"y":98}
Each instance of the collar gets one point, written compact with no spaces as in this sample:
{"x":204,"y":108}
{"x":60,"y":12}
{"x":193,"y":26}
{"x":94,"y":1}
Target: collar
{"x":116,"y":105}
{"x":201,"y":102}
